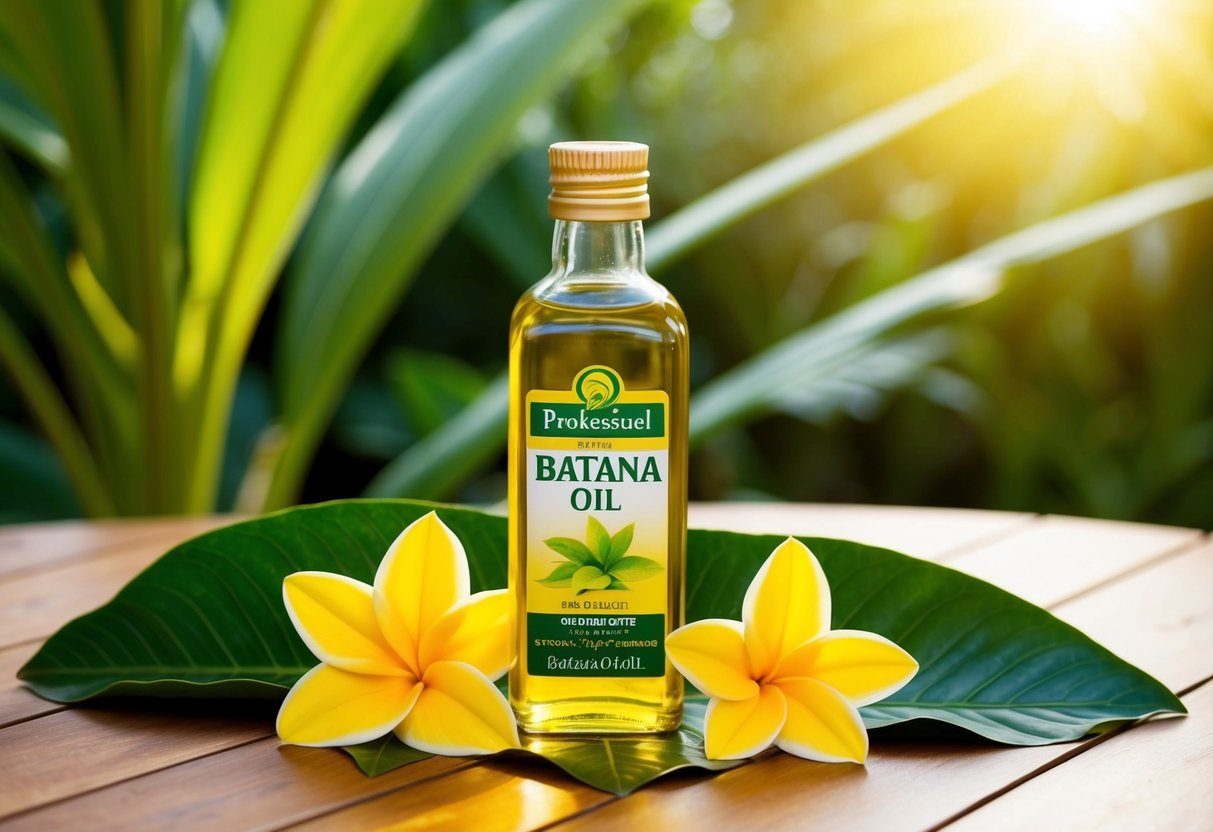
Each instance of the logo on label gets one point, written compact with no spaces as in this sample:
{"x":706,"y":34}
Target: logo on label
{"x":597,"y":387}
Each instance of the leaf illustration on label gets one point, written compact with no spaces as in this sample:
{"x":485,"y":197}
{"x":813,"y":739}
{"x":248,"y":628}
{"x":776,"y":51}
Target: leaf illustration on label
{"x":635,"y":568}
{"x":573,"y":550}
{"x":561,"y":576}
{"x":619,"y":545}
{"x":601,"y":563}
{"x":597,"y":538}
{"x":590,"y":577}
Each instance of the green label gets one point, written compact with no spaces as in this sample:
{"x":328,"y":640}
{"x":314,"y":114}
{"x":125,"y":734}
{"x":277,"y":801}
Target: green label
{"x":595,"y":645}
{"x":576,"y":420}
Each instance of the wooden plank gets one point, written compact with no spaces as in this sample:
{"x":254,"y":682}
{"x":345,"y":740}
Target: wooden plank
{"x":20,"y":704}
{"x":261,"y":785}
{"x":931,"y":533}
{"x":901,"y":787}
{"x":1170,"y":606}
{"x":11,"y":659}
{"x":27,"y":545}
{"x":974,"y":771}
{"x":1157,"y":776}
{"x":37,"y":546}
{"x":1160,"y":619}
{"x":1060,"y":557}
{"x":35,"y":605}
{"x":486,"y":798}
{"x":73,"y":751}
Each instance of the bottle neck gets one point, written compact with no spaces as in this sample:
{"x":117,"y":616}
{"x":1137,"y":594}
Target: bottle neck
{"x":598,"y":251}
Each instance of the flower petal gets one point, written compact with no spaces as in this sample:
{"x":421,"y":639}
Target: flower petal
{"x":736,"y":730}
{"x":334,"y":707}
{"x":475,"y":631}
{"x":423,"y":574}
{"x":335,"y":617}
{"x":458,"y":713}
{"x":711,"y":654}
{"x":821,"y":724}
{"x":863,"y":667}
{"x":787,"y":603}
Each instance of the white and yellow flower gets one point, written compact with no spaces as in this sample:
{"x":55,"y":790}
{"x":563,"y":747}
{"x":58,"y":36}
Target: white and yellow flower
{"x":780,"y":675}
{"x":416,"y":653}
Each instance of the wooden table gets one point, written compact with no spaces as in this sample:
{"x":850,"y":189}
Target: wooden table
{"x":1144,"y":591}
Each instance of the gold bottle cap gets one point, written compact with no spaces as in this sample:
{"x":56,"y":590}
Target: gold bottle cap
{"x":599,"y":181}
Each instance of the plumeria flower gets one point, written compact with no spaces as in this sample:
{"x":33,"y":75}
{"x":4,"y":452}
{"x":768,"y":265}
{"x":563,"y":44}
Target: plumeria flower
{"x":415,"y":653}
{"x":780,"y":675}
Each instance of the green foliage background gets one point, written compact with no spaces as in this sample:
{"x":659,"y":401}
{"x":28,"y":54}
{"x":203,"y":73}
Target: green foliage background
{"x":922,"y":350}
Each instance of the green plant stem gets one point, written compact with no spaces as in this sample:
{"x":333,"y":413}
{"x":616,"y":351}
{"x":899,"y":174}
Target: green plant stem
{"x":57,"y":422}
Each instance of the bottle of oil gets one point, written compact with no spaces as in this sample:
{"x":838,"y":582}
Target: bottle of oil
{"x":597,"y":459}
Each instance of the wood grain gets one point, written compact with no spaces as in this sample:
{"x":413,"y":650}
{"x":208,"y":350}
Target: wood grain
{"x":32,"y":547}
{"x":781,"y":792}
{"x":1140,"y":590}
{"x":11,"y":659}
{"x":1160,"y":619}
{"x":20,"y":704}
{"x":1157,"y":776}
{"x":262,"y":785}
{"x":73,"y":751}
{"x":1061,"y":557}
{"x":488,"y":798}
{"x":930,"y":533}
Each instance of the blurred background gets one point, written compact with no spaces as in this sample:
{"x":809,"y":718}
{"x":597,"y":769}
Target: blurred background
{"x":933,"y":253}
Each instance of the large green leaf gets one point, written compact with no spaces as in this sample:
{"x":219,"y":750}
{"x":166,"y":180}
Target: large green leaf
{"x":619,"y":764}
{"x":207,"y":618}
{"x":209,"y":615}
{"x":623,"y":764}
{"x":989,"y":661}
{"x":398,"y":190}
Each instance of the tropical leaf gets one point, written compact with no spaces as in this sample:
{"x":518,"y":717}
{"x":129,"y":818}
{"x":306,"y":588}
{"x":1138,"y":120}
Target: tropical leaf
{"x":618,"y":764}
{"x":989,"y":662}
{"x":264,"y":149}
{"x":207,"y":620}
{"x":390,"y":200}
{"x":383,"y":755}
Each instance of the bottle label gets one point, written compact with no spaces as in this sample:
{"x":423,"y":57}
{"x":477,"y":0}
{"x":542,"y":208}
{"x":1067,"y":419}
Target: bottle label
{"x":597,"y":548}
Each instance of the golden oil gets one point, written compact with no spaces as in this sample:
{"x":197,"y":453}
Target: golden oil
{"x":597,"y":462}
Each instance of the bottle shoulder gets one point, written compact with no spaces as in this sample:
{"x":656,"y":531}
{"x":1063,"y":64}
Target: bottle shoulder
{"x":654,"y":308}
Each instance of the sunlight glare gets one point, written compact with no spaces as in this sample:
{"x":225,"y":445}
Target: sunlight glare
{"x":1092,"y":18}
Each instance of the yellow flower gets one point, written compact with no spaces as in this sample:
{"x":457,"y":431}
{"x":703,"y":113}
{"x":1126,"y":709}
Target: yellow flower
{"x":780,"y":675}
{"x":415,"y":653}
